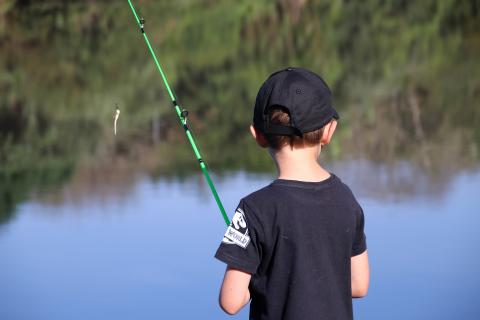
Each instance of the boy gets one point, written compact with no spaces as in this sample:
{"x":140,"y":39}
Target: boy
{"x":296,"y":247}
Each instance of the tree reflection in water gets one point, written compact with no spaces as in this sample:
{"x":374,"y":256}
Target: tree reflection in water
{"x":405,"y":79}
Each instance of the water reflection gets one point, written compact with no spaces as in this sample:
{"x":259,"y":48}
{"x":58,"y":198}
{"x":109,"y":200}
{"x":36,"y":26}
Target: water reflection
{"x":149,"y":254}
{"x":405,"y":106}
{"x":115,"y":182}
{"x":99,"y":226}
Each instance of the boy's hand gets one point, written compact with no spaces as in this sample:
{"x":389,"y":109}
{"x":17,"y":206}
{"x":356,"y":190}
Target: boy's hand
{"x":234,"y":294}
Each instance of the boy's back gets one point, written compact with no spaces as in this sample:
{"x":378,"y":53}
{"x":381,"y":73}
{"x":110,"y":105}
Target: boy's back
{"x":296,"y":248}
{"x":298,"y":238}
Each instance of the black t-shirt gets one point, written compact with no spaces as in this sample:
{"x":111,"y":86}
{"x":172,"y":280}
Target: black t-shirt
{"x":296,"y":239}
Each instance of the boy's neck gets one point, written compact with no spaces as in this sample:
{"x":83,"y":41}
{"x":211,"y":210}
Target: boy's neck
{"x":299,"y":164}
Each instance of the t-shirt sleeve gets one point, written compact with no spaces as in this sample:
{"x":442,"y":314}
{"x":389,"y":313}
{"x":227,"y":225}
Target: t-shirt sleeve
{"x":240,"y":247}
{"x":359,"y":241}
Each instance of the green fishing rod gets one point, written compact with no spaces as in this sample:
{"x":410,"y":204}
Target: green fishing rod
{"x":182,"y":115}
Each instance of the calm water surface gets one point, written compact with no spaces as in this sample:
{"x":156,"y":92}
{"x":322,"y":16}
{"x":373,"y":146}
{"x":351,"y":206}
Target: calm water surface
{"x":100,"y":242}
{"x":148,"y":254}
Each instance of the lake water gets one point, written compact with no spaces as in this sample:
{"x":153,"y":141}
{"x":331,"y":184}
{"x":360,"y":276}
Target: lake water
{"x":148,"y":253}
{"x":101,"y":226}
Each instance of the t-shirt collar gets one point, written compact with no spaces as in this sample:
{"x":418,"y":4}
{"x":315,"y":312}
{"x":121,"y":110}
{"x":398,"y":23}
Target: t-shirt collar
{"x":307,"y":184}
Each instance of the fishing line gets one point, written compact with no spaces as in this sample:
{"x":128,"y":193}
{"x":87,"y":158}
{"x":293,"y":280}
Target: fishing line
{"x":182,"y":115}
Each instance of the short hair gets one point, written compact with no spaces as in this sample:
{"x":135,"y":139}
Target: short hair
{"x":280,"y":115}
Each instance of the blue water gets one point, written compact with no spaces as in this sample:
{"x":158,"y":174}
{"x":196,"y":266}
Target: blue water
{"x":148,"y":253}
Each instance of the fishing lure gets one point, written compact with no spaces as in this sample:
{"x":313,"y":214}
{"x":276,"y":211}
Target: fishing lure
{"x":116,"y":115}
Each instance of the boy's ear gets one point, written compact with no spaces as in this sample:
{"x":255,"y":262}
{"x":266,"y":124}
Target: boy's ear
{"x":328,"y":131}
{"x":259,"y":137}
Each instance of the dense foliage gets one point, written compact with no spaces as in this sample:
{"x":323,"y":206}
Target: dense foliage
{"x":405,"y":76}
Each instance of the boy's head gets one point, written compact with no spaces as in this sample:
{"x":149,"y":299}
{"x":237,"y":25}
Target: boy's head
{"x":293,"y":107}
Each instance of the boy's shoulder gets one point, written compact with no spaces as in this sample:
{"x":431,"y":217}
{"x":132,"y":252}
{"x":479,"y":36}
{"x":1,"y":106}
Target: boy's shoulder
{"x":282,"y":192}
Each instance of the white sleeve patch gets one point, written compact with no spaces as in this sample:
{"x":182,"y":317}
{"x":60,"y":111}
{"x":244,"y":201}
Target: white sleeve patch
{"x":237,"y":232}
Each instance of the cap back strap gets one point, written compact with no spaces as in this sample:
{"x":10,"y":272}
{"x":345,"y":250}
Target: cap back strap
{"x":282,"y":130}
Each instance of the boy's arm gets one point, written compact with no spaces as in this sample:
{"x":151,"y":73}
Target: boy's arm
{"x":234,"y":294}
{"x":360,"y":275}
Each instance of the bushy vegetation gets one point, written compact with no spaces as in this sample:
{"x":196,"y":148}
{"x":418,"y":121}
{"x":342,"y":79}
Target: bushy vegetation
{"x":405,"y":76}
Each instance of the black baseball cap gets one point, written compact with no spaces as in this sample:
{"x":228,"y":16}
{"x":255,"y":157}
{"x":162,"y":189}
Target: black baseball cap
{"x":303,"y":93}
